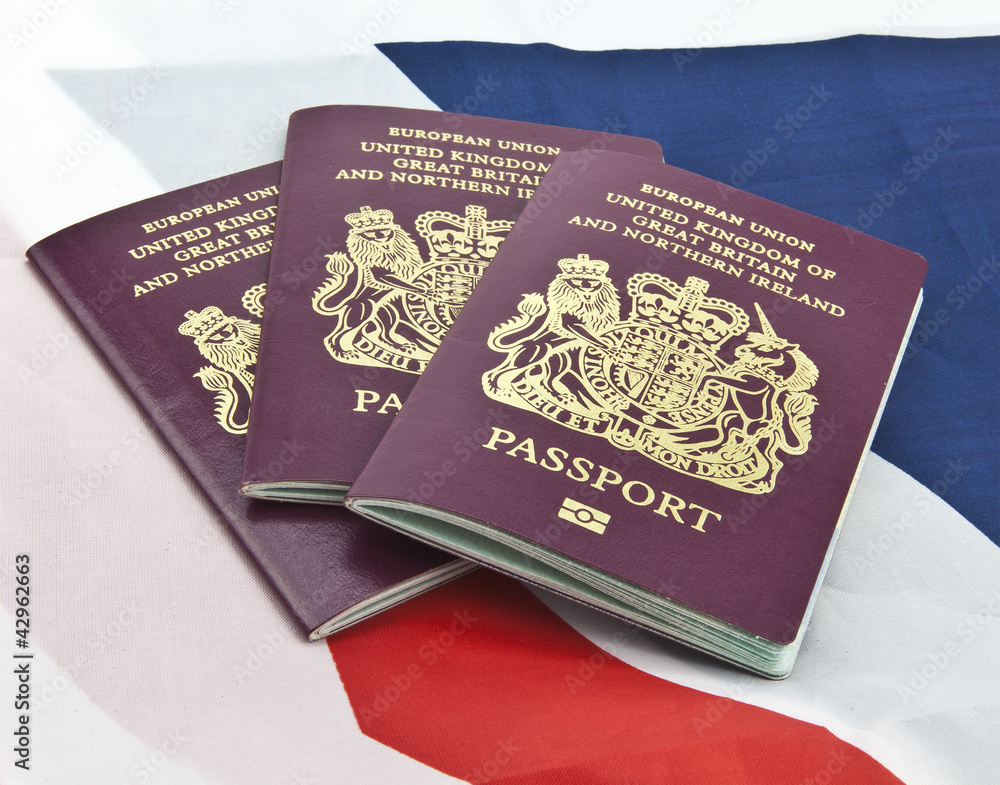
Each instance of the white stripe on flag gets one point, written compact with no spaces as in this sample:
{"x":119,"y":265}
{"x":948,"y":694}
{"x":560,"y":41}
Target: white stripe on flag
{"x":900,"y":656}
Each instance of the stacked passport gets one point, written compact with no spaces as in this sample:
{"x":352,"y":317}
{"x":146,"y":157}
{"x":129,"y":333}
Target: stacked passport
{"x":539,"y":349}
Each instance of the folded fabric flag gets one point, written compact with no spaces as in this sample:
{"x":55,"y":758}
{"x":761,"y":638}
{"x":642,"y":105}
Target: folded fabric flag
{"x":168,"y":670}
{"x":532,"y":701}
{"x":894,"y":137}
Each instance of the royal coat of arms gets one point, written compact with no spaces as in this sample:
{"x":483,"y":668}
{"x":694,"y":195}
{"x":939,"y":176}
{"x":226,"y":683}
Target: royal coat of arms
{"x":656,"y":381}
{"x":230,"y":345}
{"x":391,"y":306}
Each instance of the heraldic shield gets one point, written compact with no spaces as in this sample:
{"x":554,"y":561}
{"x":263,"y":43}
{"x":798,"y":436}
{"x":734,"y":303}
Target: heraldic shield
{"x":393,"y":307}
{"x":657,"y":381}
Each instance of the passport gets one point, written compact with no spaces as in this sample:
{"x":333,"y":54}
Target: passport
{"x":387,"y":220}
{"x":656,"y":402}
{"x":171,"y":291}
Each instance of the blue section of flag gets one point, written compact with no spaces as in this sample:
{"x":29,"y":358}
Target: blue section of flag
{"x":896,"y":137}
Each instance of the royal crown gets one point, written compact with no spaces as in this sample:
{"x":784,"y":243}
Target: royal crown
{"x":685,"y":309}
{"x":368,"y":219}
{"x":471,"y":236}
{"x":253,"y":299}
{"x":201,"y":325}
{"x":583,"y":266}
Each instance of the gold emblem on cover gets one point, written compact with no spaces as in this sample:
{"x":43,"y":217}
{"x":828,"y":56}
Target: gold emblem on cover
{"x":657,"y":381}
{"x":391,"y":306}
{"x":584,"y":515}
{"x":230,"y":344}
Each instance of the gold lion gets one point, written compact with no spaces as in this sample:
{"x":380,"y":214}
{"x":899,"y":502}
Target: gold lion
{"x":581,"y":304}
{"x":382,"y":264}
{"x":230,"y":344}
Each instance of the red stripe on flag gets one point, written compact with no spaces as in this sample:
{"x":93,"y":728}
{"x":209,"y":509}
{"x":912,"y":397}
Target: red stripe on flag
{"x":480,"y":680}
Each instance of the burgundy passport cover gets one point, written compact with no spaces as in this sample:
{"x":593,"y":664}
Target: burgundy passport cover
{"x":170,"y":289}
{"x":387,"y":219}
{"x":665,"y":378}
